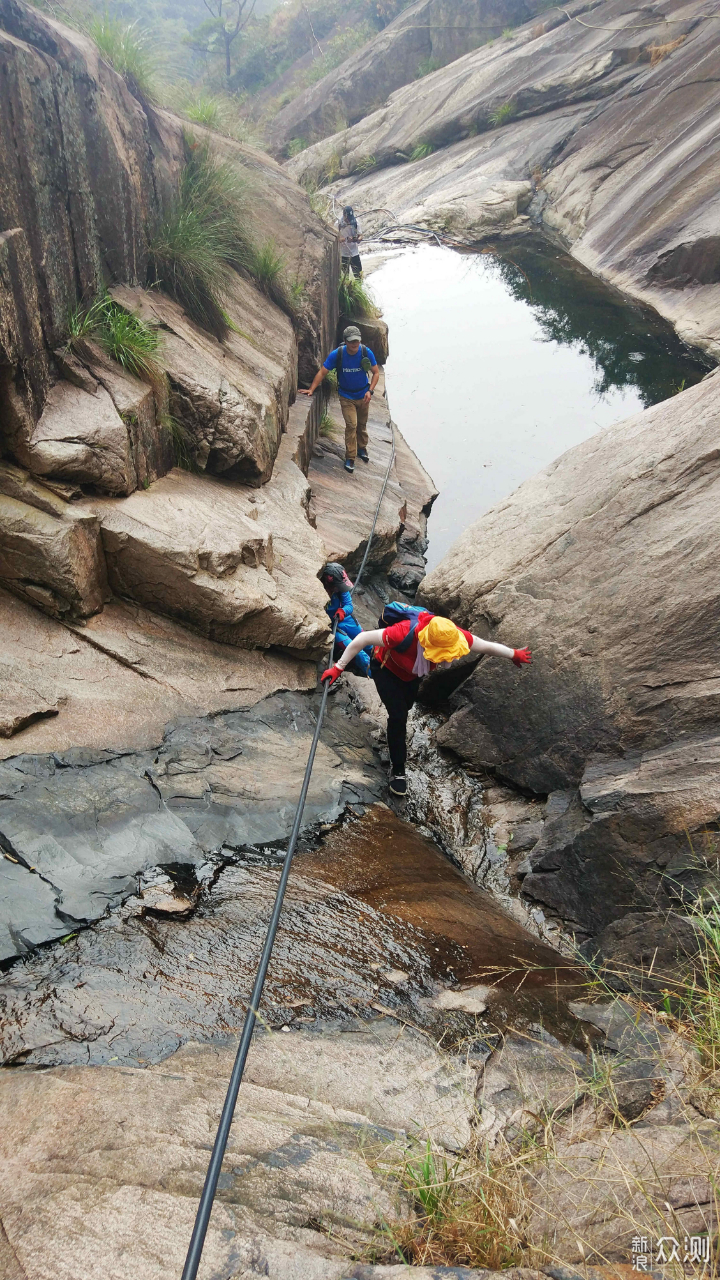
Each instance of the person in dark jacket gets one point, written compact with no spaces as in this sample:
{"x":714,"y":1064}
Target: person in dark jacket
{"x":397,"y":675}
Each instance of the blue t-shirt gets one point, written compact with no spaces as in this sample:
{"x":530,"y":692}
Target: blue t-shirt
{"x":353,"y":382}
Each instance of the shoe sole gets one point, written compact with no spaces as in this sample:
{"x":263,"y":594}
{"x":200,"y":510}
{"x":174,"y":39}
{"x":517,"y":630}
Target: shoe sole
{"x":392,"y":789}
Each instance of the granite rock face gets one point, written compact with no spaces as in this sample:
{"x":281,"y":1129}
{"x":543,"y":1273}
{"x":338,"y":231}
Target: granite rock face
{"x":602,"y":564}
{"x":427,"y":35}
{"x":599,"y":128}
{"x":78,"y":828}
{"x":231,"y":399}
{"x":50,"y":552}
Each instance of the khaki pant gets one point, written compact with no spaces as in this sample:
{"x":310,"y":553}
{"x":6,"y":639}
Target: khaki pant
{"x":355,"y":413}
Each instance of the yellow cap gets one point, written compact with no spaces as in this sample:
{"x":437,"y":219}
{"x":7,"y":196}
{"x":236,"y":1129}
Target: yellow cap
{"x":442,"y":641}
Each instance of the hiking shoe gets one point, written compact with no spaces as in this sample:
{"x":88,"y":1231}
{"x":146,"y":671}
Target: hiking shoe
{"x":363,"y":453}
{"x":398,"y":785}
{"x":349,"y":464}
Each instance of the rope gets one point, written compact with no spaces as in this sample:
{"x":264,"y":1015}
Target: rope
{"x":202,"y":1217}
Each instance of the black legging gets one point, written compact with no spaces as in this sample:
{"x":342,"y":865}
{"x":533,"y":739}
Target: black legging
{"x":398,"y":696}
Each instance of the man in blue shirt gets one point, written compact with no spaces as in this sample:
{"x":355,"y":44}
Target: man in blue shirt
{"x":355,"y":387}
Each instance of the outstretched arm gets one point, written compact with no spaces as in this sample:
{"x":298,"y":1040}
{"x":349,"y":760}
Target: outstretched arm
{"x":518,"y":656}
{"x":361,"y":640}
{"x":322,"y":371}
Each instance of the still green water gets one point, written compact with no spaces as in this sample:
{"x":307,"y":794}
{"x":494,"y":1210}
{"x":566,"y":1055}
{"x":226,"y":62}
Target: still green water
{"x":500,"y":364}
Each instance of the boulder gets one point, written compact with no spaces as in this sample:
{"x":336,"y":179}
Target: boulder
{"x":426,"y":36}
{"x":602,"y":564}
{"x":141,"y":408}
{"x":374,"y":333}
{"x":201,"y":553}
{"x":230,"y":398}
{"x":634,"y":838}
{"x":81,"y":437}
{"x":50,"y":552}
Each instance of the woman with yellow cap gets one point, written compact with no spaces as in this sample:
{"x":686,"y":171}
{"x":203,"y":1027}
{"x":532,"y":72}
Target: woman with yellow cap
{"x":397,"y":672}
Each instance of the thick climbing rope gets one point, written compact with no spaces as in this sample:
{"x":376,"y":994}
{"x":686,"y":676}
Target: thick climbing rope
{"x":202,"y":1218}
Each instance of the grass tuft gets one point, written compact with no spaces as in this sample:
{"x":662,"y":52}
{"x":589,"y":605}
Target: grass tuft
{"x":502,"y":114}
{"x":126,"y":338}
{"x":128,"y":48}
{"x":354,"y":298}
{"x":426,"y":66}
{"x":202,"y":235}
{"x":206,"y":110}
{"x":422,"y":151}
{"x":327,"y":426}
{"x":461,"y":1214}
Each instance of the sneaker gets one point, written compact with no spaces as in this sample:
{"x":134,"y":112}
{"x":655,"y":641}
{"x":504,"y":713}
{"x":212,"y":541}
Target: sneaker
{"x":363,"y":453}
{"x":398,"y":785}
{"x":349,"y":464}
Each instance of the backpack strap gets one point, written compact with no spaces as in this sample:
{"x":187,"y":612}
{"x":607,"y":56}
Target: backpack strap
{"x":407,"y":641}
{"x":339,"y":359}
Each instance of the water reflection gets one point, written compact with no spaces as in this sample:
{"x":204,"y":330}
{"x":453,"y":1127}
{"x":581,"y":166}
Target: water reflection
{"x":630,"y":345}
{"x":497,"y":366}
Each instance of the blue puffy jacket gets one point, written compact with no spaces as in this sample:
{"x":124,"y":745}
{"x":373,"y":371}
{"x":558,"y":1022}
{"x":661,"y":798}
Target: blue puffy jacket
{"x":347,"y":630}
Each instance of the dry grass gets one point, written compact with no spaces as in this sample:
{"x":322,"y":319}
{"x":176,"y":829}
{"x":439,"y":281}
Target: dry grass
{"x":659,"y":51}
{"x":463,"y":1215}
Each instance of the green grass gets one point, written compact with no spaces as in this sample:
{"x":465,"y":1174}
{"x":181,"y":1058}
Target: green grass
{"x":124,"y":337}
{"x":327,"y":426}
{"x":502,"y":114}
{"x":461,"y":1214}
{"x":426,"y":66}
{"x":422,"y":151}
{"x":294,"y":147}
{"x":128,"y":48}
{"x":508,"y":33}
{"x":366,"y":164}
{"x":204,"y":109}
{"x":202,"y":235}
{"x":354,"y":298}
{"x":181,"y":443}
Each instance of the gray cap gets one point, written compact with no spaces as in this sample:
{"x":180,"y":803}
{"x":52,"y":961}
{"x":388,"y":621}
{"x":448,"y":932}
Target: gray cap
{"x":352,"y":334}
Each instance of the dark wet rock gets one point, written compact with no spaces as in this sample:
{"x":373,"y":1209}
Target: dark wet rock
{"x":645,"y":951}
{"x":76,"y":837}
{"x":620,"y":847}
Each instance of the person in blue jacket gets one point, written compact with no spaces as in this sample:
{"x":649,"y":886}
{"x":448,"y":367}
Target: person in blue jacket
{"x":357,"y":375}
{"x":340,"y":606}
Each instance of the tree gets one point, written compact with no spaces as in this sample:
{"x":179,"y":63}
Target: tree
{"x":229,"y":18}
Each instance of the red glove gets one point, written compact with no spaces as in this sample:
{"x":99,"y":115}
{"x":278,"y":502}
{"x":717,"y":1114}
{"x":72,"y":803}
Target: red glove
{"x":339,"y":614}
{"x":331,"y":674}
{"x":521,"y":656}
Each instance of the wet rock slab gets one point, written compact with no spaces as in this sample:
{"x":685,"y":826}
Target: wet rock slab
{"x":78,"y":828}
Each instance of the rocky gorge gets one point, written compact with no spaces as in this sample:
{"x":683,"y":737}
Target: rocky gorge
{"x":162,"y":622}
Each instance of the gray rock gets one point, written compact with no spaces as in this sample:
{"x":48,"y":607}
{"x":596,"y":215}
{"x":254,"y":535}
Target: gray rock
{"x":50,"y":552}
{"x":594,"y":136}
{"x":84,"y":831}
{"x":428,"y":35}
{"x":630,"y":840}
{"x":81,"y":437}
{"x":231,"y":398}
